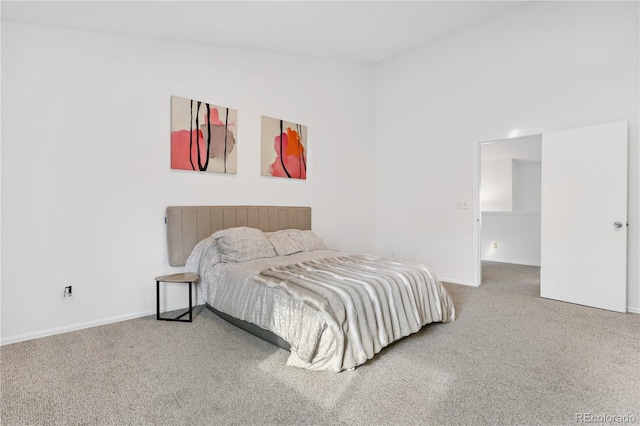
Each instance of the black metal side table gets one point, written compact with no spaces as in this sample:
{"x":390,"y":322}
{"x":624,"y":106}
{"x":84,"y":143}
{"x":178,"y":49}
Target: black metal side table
{"x":186,"y":278}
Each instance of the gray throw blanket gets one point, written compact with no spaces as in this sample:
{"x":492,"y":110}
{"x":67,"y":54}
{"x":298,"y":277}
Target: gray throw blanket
{"x":367,"y":302}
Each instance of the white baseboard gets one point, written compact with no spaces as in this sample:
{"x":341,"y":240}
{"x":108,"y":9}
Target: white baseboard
{"x":456,"y":281}
{"x":81,"y":326}
{"x":515,"y":262}
{"x":104,"y":321}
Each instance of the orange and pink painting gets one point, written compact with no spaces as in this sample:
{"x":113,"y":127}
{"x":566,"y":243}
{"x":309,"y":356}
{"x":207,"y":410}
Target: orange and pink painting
{"x":203,"y":136}
{"x":284,"y":149}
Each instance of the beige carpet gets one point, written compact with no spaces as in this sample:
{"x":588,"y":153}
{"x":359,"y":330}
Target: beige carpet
{"x":510,"y":358}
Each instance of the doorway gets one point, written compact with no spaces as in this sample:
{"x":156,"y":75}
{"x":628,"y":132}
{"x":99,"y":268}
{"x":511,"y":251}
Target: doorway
{"x":509,"y":208}
{"x":584,"y":227}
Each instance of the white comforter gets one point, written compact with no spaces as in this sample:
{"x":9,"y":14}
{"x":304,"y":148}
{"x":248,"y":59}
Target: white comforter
{"x":336,"y":310}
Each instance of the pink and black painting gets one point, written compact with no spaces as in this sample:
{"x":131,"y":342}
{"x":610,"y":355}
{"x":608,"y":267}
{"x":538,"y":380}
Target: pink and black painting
{"x":284,"y":149}
{"x":203,"y":136}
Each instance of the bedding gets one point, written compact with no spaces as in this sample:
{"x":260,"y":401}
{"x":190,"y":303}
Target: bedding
{"x":336,"y":310}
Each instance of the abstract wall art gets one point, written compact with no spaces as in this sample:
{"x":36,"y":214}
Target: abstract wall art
{"x":203,"y":136}
{"x":284,"y":149}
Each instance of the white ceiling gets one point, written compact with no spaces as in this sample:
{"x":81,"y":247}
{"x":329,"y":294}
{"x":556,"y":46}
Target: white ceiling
{"x":364,"y":31}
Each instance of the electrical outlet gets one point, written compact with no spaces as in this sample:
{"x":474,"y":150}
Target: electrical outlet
{"x":67,"y":291}
{"x":495,"y":245}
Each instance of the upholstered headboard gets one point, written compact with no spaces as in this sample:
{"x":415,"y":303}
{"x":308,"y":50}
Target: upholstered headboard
{"x":187,"y":225}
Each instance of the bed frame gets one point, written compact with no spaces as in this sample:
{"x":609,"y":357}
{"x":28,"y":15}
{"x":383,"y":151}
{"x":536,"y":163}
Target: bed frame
{"x":187,"y":225}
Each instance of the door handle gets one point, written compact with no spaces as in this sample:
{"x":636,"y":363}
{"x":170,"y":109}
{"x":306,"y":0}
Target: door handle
{"x":617,"y":224}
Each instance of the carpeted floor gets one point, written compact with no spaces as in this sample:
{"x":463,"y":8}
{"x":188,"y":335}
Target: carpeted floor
{"x":510,"y":358}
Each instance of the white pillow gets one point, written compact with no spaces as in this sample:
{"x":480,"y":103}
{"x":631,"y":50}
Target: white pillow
{"x":243,"y":244}
{"x":283,"y":243}
{"x":310,"y":240}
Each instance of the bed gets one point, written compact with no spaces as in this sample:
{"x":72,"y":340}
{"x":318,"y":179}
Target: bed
{"x":265,"y":270}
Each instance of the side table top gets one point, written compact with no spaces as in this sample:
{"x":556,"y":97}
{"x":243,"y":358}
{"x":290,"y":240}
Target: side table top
{"x":183,"y":277}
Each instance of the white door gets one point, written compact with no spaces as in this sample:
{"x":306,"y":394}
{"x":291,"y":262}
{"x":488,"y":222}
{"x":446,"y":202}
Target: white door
{"x":584,"y":216}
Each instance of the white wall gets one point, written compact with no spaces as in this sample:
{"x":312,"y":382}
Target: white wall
{"x":545,"y":66}
{"x":527,"y":186}
{"x":496,"y":187}
{"x":86,"y":174}
{"x":510,"y":174}
{"x":85,"y":146}
{"x":517,"y":235}
{"x":0,"y":178}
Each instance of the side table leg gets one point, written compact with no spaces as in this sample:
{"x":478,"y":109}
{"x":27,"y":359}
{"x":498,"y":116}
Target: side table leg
{"x":157,"y":300}
{"x":190,"y":304}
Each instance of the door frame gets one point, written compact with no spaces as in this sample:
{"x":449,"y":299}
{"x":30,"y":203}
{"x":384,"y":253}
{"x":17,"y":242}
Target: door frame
{"x":476,"y":215}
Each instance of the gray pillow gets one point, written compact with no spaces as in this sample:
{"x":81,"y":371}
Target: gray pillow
{"x":243,"y":244}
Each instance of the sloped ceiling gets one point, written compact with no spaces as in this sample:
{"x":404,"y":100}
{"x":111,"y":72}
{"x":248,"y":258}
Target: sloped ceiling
{"x":362,"y":31}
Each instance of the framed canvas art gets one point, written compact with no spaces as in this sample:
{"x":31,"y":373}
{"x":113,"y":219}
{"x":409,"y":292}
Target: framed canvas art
{"x":203,"y":136}
{"x":284,"y":149}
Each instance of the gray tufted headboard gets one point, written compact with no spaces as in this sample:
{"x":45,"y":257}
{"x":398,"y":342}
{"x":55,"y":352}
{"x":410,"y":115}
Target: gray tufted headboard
{"x":187,"y":225}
